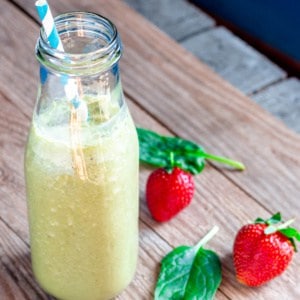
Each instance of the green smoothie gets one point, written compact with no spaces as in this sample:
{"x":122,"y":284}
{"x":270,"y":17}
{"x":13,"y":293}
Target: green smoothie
{"x":82,"y":188}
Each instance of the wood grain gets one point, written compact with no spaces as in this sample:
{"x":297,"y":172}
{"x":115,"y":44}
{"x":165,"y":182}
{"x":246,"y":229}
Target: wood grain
{"x":217,"y":108}
{"x":234,"y":60}
{"x":283,"y":101}
{"x":218,"y":200}
{"x":13,"y":134}
{"x":219,"y":117}
{"x":225,"y":53}
{"x":17,"y":64}
{"x":15,"y":269}
{"x":178,"y":18}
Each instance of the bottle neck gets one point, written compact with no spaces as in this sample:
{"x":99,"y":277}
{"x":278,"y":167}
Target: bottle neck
{"x":91,"y":45}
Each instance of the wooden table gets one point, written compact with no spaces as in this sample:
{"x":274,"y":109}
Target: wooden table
{"x":170,"y":91}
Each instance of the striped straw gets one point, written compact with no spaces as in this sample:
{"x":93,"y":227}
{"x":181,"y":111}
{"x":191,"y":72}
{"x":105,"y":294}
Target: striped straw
{"x":46,"y":17}
{"x":48,"y":23}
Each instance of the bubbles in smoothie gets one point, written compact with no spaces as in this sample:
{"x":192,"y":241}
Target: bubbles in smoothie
{"x":59,"y":141}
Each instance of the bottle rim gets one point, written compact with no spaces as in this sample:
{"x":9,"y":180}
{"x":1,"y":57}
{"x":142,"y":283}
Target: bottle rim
{"x":84,"y":63}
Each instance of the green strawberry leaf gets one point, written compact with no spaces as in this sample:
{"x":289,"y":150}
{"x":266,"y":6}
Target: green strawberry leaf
{"x":189,"y":273}
{"x":275,"y":219}
{"x":276,"y":224}
{"x":260,"y":221}
{"x":292,"y":234}
{"x":155,"y":150}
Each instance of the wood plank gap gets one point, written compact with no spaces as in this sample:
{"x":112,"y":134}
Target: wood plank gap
{"x":157,"y":233}
{"x":224,"y":294}
{"x":15,"y":279}
{"x":14,"y":231}
{"x":19,"y":7}
{"x":141,"y":107}
{"x":202,"y":30}
{"x":241,"y":188}
{"x":188,"y":36}
{"x":266,"y":87}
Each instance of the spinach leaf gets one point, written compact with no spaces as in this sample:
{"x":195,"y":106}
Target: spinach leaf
{"x":156,"y":149}
{"x":189,"y":273}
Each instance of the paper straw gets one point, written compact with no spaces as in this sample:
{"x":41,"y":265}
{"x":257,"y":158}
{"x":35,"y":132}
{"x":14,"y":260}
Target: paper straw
{"x":78,"y":112}
{"x":47,"y":20}
{"x":48,"y":23}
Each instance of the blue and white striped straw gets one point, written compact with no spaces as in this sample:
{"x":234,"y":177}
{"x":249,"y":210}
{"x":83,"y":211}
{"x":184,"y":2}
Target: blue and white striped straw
{"x":48,"y":23}
{"x":46,"y":17}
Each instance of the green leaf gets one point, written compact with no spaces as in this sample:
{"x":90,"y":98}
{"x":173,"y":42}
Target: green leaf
{"x":174,"y":273}
{"x":189,"y":273}
{"x":274,"y":219}
{"x":291,"y":233}
{"x":260,"y":221}
{"x":155,"y":150}
{"x":276,"y":224}
{"x":205,"y":276}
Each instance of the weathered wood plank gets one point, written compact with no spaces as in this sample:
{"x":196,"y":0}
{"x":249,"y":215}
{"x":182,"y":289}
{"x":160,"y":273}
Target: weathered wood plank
{"x":173,"y":231}
{"x":234,"y":60}
{"x":283,"y":101}
{"x":13,"y":132}
{"x":13,"y":137}
{"x":178,"y":18}
{"x":209,"y":80}
{"x":15,"y":270}
{"x":215,"y":187}
{"x":204,"y":79}
{"x":11,"y":37}
{"x":197,"y":86}
{"x":219,"y":117}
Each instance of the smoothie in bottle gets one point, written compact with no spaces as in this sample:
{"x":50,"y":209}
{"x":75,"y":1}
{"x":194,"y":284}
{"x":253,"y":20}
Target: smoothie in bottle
{"x":81,"y":166}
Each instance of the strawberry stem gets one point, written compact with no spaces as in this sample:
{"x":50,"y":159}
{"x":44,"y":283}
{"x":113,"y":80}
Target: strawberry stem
{"x":172,"y":161}
{"x":273,"y":228}
{"x":170,"y":166}
{"x":206,"y":238}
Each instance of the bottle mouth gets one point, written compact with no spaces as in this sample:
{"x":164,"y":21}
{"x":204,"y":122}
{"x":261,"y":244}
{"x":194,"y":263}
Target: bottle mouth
{"x":91,"y":44}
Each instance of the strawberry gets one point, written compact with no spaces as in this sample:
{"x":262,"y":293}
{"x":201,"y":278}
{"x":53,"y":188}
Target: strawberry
{"x":263,"y":250}
{"x":168,"y":192}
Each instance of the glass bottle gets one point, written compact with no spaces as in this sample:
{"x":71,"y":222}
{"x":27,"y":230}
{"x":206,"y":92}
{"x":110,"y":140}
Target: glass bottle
{"x":81,"y":165}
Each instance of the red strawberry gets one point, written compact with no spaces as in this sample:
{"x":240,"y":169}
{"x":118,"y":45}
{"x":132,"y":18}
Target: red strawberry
{"x":263,"y":250}
{"x":167,"y":193}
